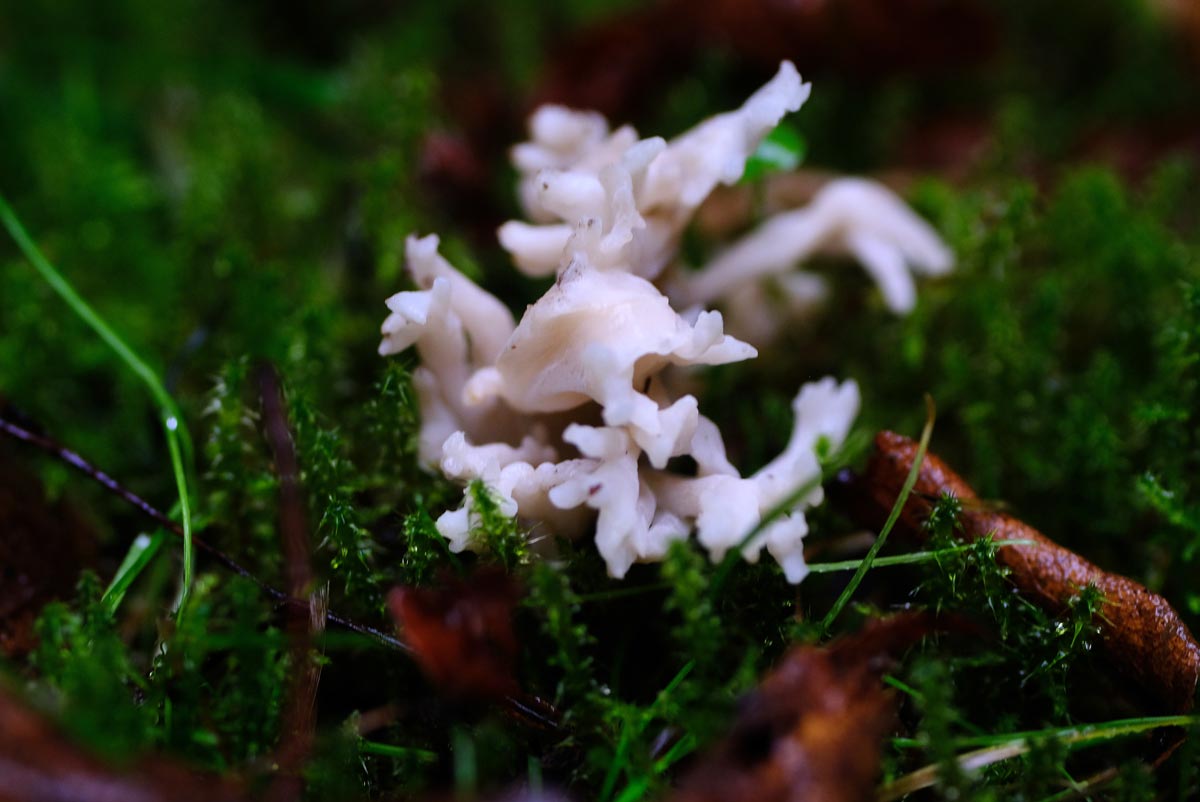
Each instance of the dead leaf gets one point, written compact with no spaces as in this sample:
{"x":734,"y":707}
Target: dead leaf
{"x":462,"y":633}
{"x":813,"y":729}
{"x":38,"y":764}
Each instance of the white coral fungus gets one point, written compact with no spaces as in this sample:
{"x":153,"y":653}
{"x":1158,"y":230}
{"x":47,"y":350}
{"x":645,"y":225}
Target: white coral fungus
{"x":565,"y":412}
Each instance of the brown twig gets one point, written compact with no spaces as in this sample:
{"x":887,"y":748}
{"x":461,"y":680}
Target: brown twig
{"x":1143,"y":636}
{"x":299,"y":713}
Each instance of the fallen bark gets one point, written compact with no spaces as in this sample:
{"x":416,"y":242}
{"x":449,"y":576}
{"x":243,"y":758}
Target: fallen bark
{"x":1141,"y":634}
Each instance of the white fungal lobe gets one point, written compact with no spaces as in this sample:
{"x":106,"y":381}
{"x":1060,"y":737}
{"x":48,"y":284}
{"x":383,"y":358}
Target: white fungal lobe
{"x":564,"y":414}
{"x":847,"y":217}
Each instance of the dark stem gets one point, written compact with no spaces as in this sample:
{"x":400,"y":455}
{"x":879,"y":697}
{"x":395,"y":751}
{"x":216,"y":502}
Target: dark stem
{"x":530,"y":709}
{"x":76,"y":461}
{"x":299,"y":713}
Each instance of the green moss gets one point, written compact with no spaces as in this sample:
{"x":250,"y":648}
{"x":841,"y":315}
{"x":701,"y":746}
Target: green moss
{"x":332,"y":482}
{"x":494,"y":533}
{"x":220,"y":678}
{"x":91,"y":678}
{"x":557,"y":608}
{"x":225,"y":191}
{"x":1035,"y":653}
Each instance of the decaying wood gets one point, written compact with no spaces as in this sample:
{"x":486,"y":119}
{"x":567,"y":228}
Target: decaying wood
{"x":1141,"y":633}
{"x":38,"y":764}
{"x":813,"y":729}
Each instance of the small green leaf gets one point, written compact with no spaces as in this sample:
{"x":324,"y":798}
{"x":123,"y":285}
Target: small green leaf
{"x":781,"y":151}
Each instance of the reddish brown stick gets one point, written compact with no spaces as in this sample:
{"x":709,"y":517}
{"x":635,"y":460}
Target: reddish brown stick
{"x":1141,"y":633}
{"x":299,"y":713}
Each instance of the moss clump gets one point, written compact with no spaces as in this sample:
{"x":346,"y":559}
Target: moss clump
{"x":226,"y":186}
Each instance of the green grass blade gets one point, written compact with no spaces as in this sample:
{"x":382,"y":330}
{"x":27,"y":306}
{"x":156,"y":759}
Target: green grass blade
{"x":909,"y":481}
{"x":141,"y":552}
{"x":177,"y":438}
{"x":635,"y":790}
{"x":466,"y":765}
{"x":905,"y":559}
{"x":366,"y":747}
{"x":997,"y":748}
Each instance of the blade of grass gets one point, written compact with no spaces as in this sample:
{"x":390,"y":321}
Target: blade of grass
{"x":635,"y":790}
{"x":533,"y":774}
{"x":466,"y":766}
{"x":633,"y":727}
{"x":141,"y":552}
{"x":868,"y":561}
{"x":1081,"y":733}
{"x":684,"y":747}
{"x":388,"y":750}
{"x":618,"y":763}
{"x":177,"y":437}
{"x":1077,"y":788}
{"x":997,"y":748}
{"x":905,"y":559}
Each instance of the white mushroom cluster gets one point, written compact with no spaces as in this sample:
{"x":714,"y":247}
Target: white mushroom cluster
{"x":564,"y":415}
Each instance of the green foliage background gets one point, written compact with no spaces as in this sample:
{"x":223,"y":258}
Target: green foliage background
{"x":228,"y":182}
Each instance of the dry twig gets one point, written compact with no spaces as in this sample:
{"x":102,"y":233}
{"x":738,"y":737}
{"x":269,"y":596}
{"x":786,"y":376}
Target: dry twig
{"x":1142,"y":635}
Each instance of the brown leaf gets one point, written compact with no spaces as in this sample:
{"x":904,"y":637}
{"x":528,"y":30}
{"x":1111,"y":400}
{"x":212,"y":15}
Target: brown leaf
{"x":38,"y":764}
{"x":813,"y":729}
{"x":1184,"y":17}
{"x":1142,"y":635}
{"x":462,"y":633}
